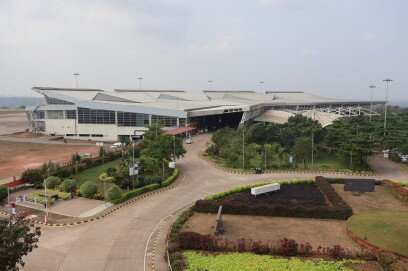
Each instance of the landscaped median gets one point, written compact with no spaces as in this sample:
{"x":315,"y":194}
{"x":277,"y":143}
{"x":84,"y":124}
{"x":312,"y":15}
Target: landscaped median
{"x":136,"y":192}
{"x":313,"y":200}
{"x":218,"y":162}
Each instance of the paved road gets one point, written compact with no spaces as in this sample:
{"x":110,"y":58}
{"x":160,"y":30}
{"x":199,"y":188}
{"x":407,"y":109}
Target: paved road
{"x":118,"y":241}
{"x":388,"y":169}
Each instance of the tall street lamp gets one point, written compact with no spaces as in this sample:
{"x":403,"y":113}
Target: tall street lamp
{"x":386,"y":104}
{"x":76,"y":78}
{"x":210,"y":82}
{"x":261,"y":83}
{"x":243,"y":148}
{"x":140,"y":82}
{"x":372,"y":87}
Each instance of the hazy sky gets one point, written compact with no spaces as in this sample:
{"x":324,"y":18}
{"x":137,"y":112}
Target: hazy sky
{"x":327,"y":47}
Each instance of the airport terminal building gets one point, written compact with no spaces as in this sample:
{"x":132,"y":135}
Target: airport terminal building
{"x":94,"y":114}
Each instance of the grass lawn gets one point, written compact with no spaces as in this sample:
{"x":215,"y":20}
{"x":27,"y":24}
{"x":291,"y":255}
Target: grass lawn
{"x":387,"y":230}
{"x":92,"y":174}
{"x":324,"y":160}
{"x":250,"y":262}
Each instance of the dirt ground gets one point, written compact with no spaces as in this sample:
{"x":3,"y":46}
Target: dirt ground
{"x":380,"y":200}
{"x":318,"y":232}
{"x":323,"y":232}
{"x":12,"y":121}
{"x":15,"y":156}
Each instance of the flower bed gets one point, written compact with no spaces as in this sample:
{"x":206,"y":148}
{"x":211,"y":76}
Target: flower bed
{"x":396,"y":189}
{"x":337,"y":209}
{"x":38,"y":197}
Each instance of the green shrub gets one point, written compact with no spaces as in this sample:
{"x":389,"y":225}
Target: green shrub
{"x":69,"y":185}
{"x":64,"y":172}
{"x":33,"y":176}
{"x":136,"y":192}
{"x":172,"y":177}
{"x":114,"y":192}
{"x":88,"y":189}
{"x":3,"y":193}
{"x":52,"y":181}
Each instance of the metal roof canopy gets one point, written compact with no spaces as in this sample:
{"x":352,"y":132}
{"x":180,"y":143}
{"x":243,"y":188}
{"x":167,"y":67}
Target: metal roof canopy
{"x":180,"y":130}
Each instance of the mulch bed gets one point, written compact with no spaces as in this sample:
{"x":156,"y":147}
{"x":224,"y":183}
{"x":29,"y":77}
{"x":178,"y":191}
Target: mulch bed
{"x":306,"y":194}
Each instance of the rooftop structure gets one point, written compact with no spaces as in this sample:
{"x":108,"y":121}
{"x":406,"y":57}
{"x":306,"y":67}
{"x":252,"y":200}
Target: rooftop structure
{"x":111,"y":115}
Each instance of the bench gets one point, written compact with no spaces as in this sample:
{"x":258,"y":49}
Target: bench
{"x":265,"y":189}
{"x":219,"y":228}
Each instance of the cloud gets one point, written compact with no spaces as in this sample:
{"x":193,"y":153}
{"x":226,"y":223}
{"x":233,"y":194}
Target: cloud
{"x":227,"y":44}
{"x":308,"y":51}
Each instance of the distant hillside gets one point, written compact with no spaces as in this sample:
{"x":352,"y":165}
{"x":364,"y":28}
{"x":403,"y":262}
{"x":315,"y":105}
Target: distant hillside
{"x":18,"y":101}
{"x":400,"y":103}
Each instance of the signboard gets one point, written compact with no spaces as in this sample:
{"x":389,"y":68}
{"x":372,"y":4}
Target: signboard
{"x":136,"y":137}
{"x":290,"y":159}
{"x":100,"y":144}
{"x":359,"y":185}
{"x":172,"y":164}
{"x":133,"y":169}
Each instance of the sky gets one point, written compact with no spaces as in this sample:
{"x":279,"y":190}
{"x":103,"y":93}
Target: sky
{"x":327,"y":47}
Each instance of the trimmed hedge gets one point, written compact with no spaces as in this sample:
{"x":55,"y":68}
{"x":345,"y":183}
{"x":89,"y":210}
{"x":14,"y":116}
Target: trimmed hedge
{"x":396,"y":189}
{"x":114,"y":192}
{"x":342,"y":181}
{"x":69,"y":185}
{"x":52,"y":182}
{"x":3,"y":193}
{"x":147,"y":188}
{"x":238,"y":189}
{"x":88,"y":189}
{"x":338,"y":209}
{"x":171,"y":179}
{"x":136,"y":192}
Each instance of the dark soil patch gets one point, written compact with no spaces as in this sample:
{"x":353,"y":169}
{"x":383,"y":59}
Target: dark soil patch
{"x":305,"y":194}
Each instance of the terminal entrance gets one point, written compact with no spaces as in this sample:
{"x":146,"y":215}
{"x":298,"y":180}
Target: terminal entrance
{"x":215,"y":122}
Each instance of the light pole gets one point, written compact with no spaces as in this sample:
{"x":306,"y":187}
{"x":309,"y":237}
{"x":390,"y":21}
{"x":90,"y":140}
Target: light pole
{"x":210,"y":82}
{"x":76,"y":78}
{"x":174,"y":148}
{"x":372,"y":87}
{"x":261,"y":83}
{"x":386,"y":104}
{"x":140,"y":82}
{"x":243,"y":148}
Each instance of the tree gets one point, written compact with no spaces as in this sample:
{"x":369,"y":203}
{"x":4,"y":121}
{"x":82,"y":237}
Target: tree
{"x":75,"y":159}
{"x":302,"y":149}
{"x":165,"y":147}
{"x":17,"y":239}
{"x":102,"y":152}
{"x":300,"y":126}
{"x":3,"y":193}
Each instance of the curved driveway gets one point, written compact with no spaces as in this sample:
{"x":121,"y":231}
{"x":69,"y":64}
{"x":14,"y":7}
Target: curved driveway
{"x":118,"y":241}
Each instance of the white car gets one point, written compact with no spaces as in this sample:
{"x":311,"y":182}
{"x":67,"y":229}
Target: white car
{"x":116,"y":146}
{"x":189,"y":140}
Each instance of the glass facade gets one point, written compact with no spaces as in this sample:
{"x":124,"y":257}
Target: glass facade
{"x":55,"y":114}
{"x":70,"y":114}
{"x":165,"y":121}
{"x":132,"y":119}
{"x":95,"y":116}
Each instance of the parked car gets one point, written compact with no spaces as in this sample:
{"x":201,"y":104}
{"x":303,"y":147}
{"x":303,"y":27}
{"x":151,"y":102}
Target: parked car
{"x":86,"y":156}
{"x":189,"y":140}
{"x":116,"y":145}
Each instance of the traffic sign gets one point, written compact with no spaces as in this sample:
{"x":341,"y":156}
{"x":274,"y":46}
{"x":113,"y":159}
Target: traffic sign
{"x":134,"y":169}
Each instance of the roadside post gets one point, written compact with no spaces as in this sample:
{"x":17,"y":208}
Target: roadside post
{"x":135,"y":138}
